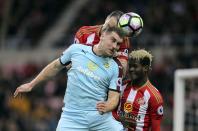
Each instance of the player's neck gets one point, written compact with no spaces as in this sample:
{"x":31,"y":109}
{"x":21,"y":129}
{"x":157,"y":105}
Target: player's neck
{"x":139,"y":83}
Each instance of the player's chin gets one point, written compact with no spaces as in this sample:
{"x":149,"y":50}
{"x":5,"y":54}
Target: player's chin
{"x":110,"y":54}
{"x":133,"y":76}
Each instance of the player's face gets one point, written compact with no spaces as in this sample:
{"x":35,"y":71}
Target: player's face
{"x":136,"y":70}
{"x":110,"y":43}
{"x":110,"y":22}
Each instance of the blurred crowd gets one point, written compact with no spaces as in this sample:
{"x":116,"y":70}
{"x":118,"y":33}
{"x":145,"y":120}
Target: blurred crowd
{"x":27,"y":20}
{"x":35,"y":111}
{"x":170,"y":32}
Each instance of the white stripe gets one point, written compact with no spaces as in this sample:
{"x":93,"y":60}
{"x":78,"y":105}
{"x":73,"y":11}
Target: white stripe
{"x":132,"y":95}
{"x":90,"y":39}
{"x":121,"y":93}
{"x":122,"y":89}
{"x":142,"y":111}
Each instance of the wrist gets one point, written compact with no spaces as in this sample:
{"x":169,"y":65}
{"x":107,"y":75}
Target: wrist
{"x":31,"y":85}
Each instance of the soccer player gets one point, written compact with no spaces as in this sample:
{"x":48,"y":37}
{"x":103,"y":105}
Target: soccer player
{"x":94,"y":78}
{"x":141,"y":104}
{"x":90,"y":35}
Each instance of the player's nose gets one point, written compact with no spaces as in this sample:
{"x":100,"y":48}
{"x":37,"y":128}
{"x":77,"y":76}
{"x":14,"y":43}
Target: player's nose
{"x":114,"y":46}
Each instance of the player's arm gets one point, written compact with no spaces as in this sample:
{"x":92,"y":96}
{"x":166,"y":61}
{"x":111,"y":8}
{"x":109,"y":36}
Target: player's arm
{"x":79,"y":36}
{"x":122,"y":55}
{"x":155,"y":126}
{"x":156,"y":117}
{"x":124,"y":63}
{"x":156,"y":112}
{"x":113,"y":100}
{"x":110,"y":104}
{"x":49,"y":71}
{"x":114,"y":91}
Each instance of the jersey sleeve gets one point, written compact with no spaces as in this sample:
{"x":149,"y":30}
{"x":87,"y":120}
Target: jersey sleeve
{"x":79,"y":36}
{"x":116,"y":80}
{"x":156,"y":112}
{"x":65,"y":58}
{"x":124,"y":49}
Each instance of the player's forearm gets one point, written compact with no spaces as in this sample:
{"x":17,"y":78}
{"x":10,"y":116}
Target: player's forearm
{"x":112,"y":102}
{"x":49,"y":71}
{"x":124,"y":66}
{"x":155,"y":126}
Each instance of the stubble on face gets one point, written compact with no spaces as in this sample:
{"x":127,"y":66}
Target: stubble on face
{"x":112,"y":43}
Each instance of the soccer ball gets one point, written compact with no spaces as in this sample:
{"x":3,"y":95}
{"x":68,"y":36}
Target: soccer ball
{"x":131,"y":23}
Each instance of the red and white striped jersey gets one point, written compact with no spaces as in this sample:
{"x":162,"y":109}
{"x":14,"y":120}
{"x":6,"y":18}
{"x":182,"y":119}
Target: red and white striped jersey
{"x":140,"y":107}
{"x":90,"y":35}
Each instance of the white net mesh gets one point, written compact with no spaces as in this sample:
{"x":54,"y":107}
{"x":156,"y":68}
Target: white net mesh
{"x":191,"y":105}
{"x":186,"y":100}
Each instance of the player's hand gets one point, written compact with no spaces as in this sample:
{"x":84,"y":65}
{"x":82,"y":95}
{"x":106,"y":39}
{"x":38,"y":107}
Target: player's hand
{"x":101,"y":106}
{"x":23,"y":88}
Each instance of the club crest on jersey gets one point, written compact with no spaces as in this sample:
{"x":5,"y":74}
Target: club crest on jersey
{"x":160,"y":110}
{"x":128,"y":107}
{"x":92,"y":66}
{"x":141,"y":101}
{"x":106,"y":65}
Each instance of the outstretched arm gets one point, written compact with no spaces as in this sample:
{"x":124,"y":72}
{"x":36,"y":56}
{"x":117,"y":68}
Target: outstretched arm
{"x":49,"y":71}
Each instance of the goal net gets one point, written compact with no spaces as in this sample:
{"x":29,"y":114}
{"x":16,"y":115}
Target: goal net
{"x":185,"y":100}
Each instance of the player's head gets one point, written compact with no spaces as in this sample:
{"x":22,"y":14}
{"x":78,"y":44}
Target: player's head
{"x":110,"y":40}
{"x":139,"y":65}
{"x":112,"y":19}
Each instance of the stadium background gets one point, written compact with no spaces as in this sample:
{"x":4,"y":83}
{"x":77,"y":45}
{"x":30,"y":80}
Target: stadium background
{"x":34,"y":32}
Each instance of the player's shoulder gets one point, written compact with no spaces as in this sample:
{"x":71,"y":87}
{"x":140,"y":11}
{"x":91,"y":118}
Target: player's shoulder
{"x":125,"y":43}
{"x":116,"y":65}
{"x":79,"y":46}
{"x":154,"y":93}
{"x":117,"y":62}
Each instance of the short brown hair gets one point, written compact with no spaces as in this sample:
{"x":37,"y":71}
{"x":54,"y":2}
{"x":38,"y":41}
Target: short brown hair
{"x":119,"y":31}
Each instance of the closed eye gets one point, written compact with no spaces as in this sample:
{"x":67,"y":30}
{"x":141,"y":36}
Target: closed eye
{"x":113,"y":40}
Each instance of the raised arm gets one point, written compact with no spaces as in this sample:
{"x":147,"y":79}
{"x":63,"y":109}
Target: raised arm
{"x":124,"y":64}
{"x":49,"y":71}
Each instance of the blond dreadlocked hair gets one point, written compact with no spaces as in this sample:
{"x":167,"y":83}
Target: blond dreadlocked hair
{"x":141,"y":55}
